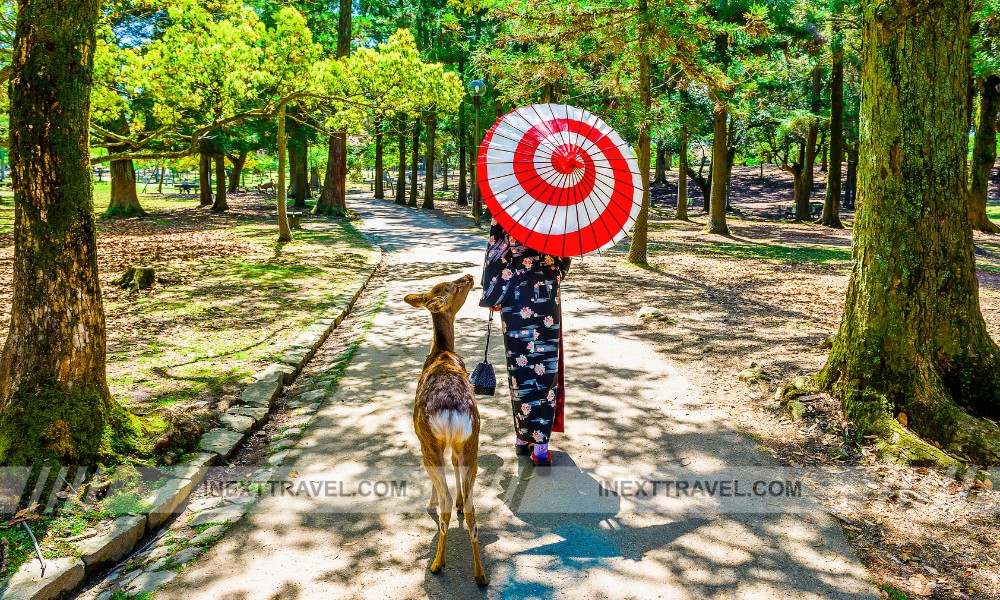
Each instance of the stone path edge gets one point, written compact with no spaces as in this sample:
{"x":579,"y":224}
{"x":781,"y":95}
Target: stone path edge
{"x":64,"y":575}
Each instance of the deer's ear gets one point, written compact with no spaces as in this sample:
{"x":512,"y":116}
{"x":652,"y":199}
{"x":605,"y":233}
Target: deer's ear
{"x":437,"y":304}
{"x":416,"y":300}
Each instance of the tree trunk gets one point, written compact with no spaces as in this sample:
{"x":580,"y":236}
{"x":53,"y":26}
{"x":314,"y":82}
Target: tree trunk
{"x":444,"y":171}
{"x":704,"y":183}
{"x":237,"y":172}
{"x":313,"y":179}
{"x":660,"y":168}
{"x":831,"y":202}
{"x":984,"y":153}
{"x":851,"y":185}
{"x":912,"y":338}
{"x":429,"y":161}
{"x":800,"y":184}
{"x":205,"y":179}
{"x":379,"y":166}
{"x":159,"y":184}
{"x":54,"y":398}
{"x":333,"y":197}
{"x":669,"y":160}
{"x":637,"y":252}
{"x":284,"y":232}
{"x":463,"y":140}
{"x":220,"y":204}
{"x":812,"y":149}
{"x":682,"y":183}
{"x":414,"y":163}
{"x":298,"y":153}
{"x":717,"y":209}
{"x":401,"y":175}
{"x":124,"y":198}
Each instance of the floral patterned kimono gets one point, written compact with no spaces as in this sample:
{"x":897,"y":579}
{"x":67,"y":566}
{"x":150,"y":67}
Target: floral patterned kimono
{"x":525,"y":285}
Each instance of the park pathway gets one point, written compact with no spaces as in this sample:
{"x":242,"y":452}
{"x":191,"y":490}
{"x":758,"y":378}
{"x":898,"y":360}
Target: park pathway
{"x":631,"y":415}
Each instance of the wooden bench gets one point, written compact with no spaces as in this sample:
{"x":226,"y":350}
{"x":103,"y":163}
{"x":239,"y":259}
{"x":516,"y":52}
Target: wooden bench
{"x":294,"y":219}
{"x":386,"y":181}
{"x":189,"y":188}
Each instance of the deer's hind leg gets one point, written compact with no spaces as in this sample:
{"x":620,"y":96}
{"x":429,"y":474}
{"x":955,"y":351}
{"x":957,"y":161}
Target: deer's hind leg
{"x":434,"y":463}
{"x":459,"y":478}
{"x":469,"y":465}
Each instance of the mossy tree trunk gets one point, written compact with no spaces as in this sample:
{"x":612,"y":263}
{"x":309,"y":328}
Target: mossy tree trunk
{"x":831,"y":202}
{"x":638,"y":250}
{"x":984,"y":152}
{"x":379,"y":164}
{"x":717,"y":206}
{"x":401,"y":174}
{"x":284,"y":232}
{"x":124,"y":197}
{"x":220,"y":204}
{"x":429,"y":159}
{"x":682,"y":184}
{"x":54,"y":397}
{"x":205,"y":179}
{"x":238,"y":160}
{"x":414,"y":163}
{"x":912,"y":338}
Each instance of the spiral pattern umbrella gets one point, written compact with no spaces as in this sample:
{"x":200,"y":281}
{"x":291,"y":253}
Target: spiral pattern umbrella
{"x":559,"y":179}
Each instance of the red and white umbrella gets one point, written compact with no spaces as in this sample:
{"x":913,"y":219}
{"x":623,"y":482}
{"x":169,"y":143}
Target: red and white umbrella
{"x":559,"y":179}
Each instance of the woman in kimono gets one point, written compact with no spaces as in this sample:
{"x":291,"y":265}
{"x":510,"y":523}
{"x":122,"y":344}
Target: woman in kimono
{"x":523,"y":286}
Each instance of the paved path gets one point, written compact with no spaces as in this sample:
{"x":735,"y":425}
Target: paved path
{"x":631,"y":415}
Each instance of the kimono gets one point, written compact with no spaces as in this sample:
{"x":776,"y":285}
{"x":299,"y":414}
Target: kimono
{"x":524,"y":283}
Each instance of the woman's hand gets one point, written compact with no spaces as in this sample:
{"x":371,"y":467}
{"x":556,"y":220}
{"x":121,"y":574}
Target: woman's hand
{"x":495,"y":309}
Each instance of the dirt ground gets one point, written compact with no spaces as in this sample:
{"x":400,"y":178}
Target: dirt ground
{"x":769,"y":295}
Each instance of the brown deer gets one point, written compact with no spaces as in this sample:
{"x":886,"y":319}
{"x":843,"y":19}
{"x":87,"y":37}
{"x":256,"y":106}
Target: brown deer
{"x":267,"y":187}
{"x":445,"y":417}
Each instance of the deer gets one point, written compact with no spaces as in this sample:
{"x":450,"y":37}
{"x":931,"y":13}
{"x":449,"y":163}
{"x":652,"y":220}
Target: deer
{"x":446,"y":417}
{"x":266,"y":187}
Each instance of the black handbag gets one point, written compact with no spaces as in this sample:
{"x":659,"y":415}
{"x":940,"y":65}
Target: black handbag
{"x":484,"y":378}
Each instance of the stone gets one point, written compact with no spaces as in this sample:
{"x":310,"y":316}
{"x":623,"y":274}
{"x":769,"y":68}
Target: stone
{"x":62,"y":575}
{"x":221,"y":441}
{"x":795,"y":409}
{"x":753,"y":374}
{"x":259,"y":415}
{"x":648,"y":313}
{"x":185,"y":556}
{"x":287,"y":372}
{"x":237,"y":423}
{"x":167,"y":500}
{"x":196,"y":467}
{"x":308,"y":398}
{"x":225,"y":514}
{"x":156,"y":554}
{"x":292,"y":432}
{"x":207,"y":503}
{"x":296,"y":356}
{"x":148,"y":582}
{"x":208,"y":535}
{"x":802,"y":382}
{"x":278,"y":445}
{"x":262,"y":393}
{"x":278,"y":458}
{"x":113,"y":544}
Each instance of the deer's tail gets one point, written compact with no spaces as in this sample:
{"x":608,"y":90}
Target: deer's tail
{"x":451,"y":426}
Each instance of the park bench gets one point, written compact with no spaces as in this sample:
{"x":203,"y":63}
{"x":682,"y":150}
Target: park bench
{"x":294,"y":219}
{"x":386,"y":181}
{"x":187,"y":188}
{"x":815,"y":210}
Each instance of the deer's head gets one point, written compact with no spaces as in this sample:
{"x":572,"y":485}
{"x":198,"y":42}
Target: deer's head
{"x":446,"y":298}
